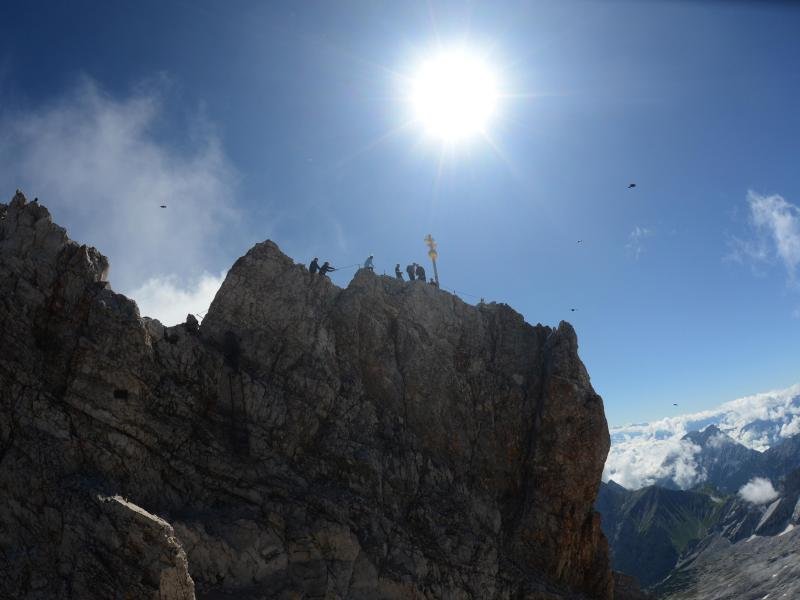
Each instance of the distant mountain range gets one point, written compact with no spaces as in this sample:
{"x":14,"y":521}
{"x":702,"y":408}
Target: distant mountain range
{"x":714,"y":446}
{"x":681,"y":542}
{"x":753,"y":551}
{"x":725,"y":464}
{"x":648,"y":529}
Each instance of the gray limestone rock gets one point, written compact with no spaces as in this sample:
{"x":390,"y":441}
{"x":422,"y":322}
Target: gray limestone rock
{"x":754,"y":568}
{"x":380,"y":441}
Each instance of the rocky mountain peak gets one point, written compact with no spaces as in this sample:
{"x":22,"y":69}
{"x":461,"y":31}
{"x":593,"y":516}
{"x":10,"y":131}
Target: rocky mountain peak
{"x":385,"y":440}
{"x":711,"y":434}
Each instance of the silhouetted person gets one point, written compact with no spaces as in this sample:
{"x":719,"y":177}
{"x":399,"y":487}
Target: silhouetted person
{"x":326,"y":268}
{"x":410,"y":270}
{"x":433,"y":282}
{"x":314,"y":266}
{"x":192,"y":325}
{"x":397,"y":272}
{"x":368,"y":263}
{"x":421,"y":273}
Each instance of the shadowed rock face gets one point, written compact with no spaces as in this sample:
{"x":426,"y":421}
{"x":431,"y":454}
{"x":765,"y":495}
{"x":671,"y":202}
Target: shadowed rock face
{"x":381,"y":441}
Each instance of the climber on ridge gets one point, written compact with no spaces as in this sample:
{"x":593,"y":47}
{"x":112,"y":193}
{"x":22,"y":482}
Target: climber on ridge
{"x":326,"y":268}
{"x":421,"y":273}
{"x":397,"y":272}
{"x":411,"y":269}
{"x":314,"y":266}
{"x":368,"y":263}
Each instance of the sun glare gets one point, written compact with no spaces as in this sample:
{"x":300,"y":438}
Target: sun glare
{"x":454,"y":95}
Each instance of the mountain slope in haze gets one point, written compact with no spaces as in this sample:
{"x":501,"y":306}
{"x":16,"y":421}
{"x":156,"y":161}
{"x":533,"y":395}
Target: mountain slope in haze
{"x":648,"y":529}
{"x":783,"y":457}
{"x":763,"y":567}
{"x":752,"y":552}
{"x":715,"y":458}
{"x":384,"y":440}
{"x":725,"y":463}
{"x":641,"y":454}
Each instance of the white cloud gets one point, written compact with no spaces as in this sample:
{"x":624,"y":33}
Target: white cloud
{"x":791,"y":428}
{"x":776,"y":227}
{"x":758,"y":491}
{"x":643,"y":453}
{"x":98,"y":163}
{"x":636,"y":239}
{"x":681,"y":466}
{"x":635,"y":463}
{"x":171,"y":302}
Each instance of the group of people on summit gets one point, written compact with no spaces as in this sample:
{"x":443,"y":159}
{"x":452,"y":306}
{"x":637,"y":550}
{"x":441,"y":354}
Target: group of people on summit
{"x":416,"y":272}
{"x":323,"y":270}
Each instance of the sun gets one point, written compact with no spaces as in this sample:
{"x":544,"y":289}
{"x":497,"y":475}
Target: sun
{"x":454,"y":94}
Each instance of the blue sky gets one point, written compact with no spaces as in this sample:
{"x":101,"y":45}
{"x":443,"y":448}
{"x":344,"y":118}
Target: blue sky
{"x":284,"y":120}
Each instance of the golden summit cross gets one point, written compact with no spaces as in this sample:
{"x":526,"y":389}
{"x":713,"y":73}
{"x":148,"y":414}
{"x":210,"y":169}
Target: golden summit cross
{"x":433,"y":254}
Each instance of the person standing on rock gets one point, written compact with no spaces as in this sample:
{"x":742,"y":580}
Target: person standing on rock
{"x":410,"y":270}
{"x":368,"y":263}
{"x":397,"y":272}
{"x":421,"y":273}
{"x":326,"y":268}
{"x":314,"y":266}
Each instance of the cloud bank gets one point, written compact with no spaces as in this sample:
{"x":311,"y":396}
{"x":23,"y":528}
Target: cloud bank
{"x":644,"y":453}
{"x":99,"y":164}
{"x":635,"y":462}
{"x":758,"y":491}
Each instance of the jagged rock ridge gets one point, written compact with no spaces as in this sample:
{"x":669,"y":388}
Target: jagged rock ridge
{"x":380,"y":441}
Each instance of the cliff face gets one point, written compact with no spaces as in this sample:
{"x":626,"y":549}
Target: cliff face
{"x":381,"y":441}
